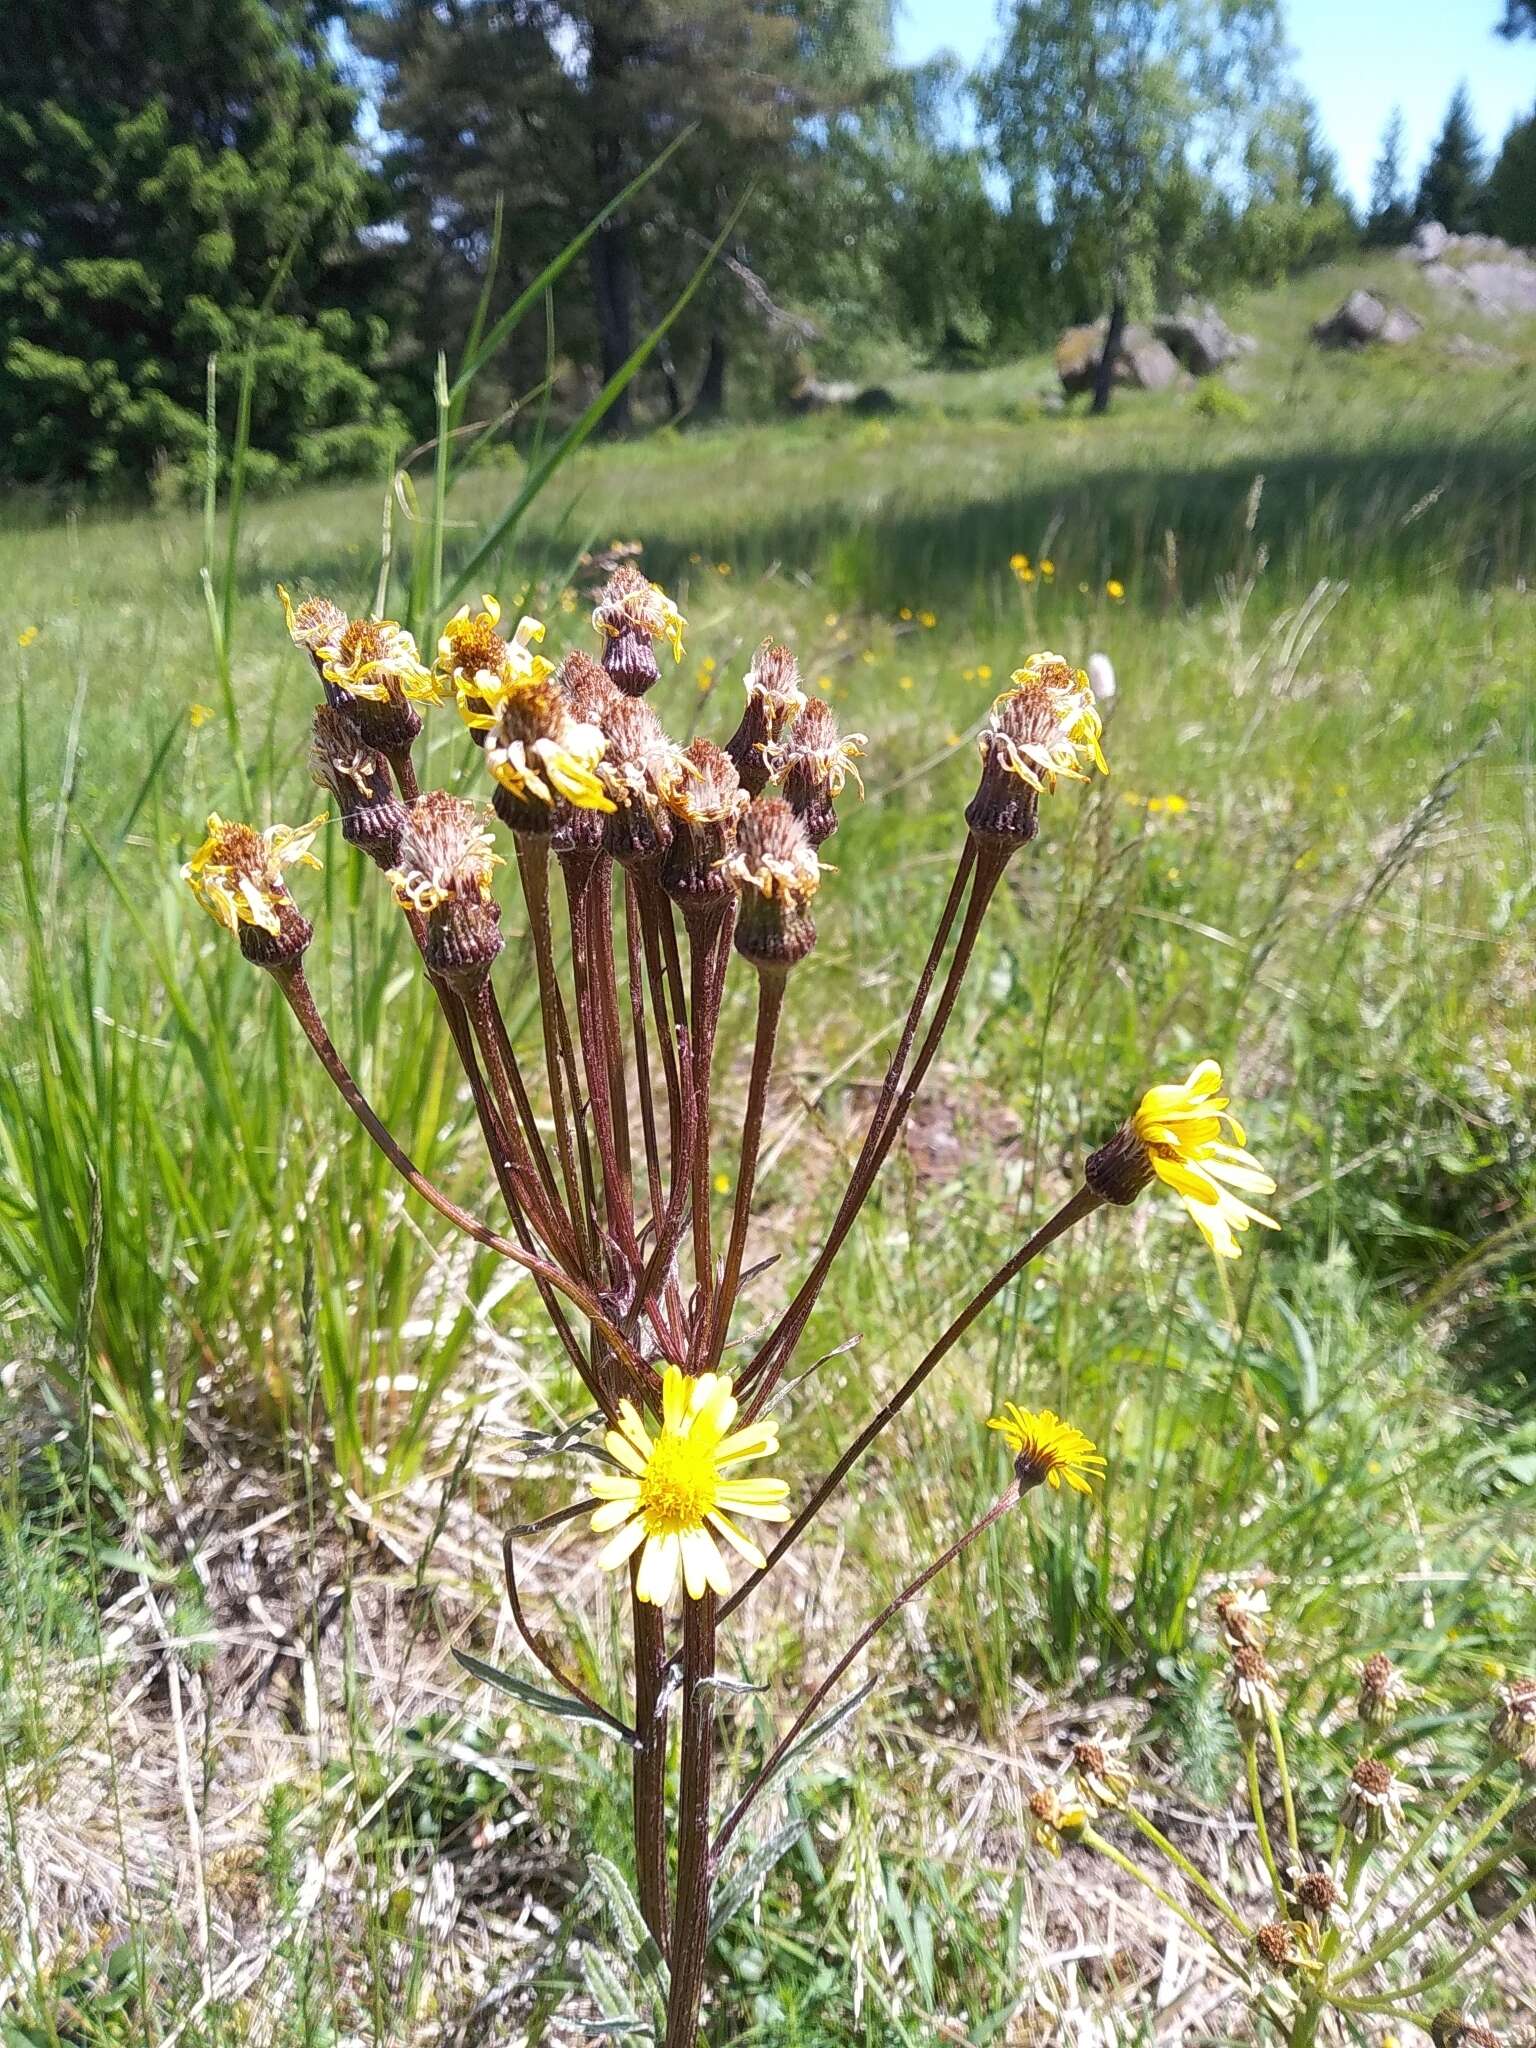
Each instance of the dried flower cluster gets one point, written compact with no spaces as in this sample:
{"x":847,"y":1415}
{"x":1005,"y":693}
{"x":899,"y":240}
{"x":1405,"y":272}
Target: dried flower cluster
{"x":647,"y":865}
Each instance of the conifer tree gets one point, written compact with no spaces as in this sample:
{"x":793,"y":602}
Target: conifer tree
{"x":1510,"y":206}
{"x":159,"y":162}
{"x":1390,"y":216}
{"x":1451,"y":188}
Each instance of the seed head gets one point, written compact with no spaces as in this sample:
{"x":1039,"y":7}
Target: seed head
{"x":631,"y":613}
{"x":813,"y":762}
{"x":357,"y":775}
{"x":775,"y":873}
{"x":1238,"y":1613}
{"x":774,"y":697}
{"x":703,"y":793}
{"x":638,"y":758}
{"x":1382,"y":1691}
{"x":1276,"y":1945}
{"x":541,"y":756}
{"x":1044,"y":728}
{"x":444,"y":874}
{"x":1371,"y":1809}
{"x":1251,"y":1693}
{"x":1513,"y":1728}
{"x":1054,"y":1821}
{"x":237,"y":876}
{"x":1318,"y":1898}
{"x":480,"y":665}
{"x":1451,"y":2029}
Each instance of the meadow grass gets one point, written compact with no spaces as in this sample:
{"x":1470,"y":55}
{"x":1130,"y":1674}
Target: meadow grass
{"x":1314,"y":859}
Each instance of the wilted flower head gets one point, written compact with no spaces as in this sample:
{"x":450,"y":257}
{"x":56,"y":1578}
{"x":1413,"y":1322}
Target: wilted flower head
{"x":813,"y":762}
{"x":1514,"y":1723}
{"x":1177,"y":1134}
{"x":588,"y":690}
{"x":1047,"y":1450}
{"x":704,"y":795}
{"x":539,"y":754}
{"x":315,"y":623}
{"x":1372,"y":1808}
{"x":631,"y":613}
{"x":1319,"y":1899}
{"x":1276,"y":1946}
{"x":444,"y":871}
{"x":775,"y":873}
{"x":1043,"y":728}
{"x":1382,"y":1691}
{"x":1100,"y":1775}
{"x":774,"y":697}
{"x":1251,"y":1692}
{"x":357,"y":775}
{"x":237,"y":876}
{"x":639,"y":757}
{"x":1054,"y":1821}
{"x":480,"y":665}
{"x":1451,"y":2029}
{"x":371,"y":668}
{"x":1240,"y":1611}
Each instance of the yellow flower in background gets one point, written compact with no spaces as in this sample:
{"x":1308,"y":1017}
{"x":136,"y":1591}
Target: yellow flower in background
{"x":27,"y":635}
{"x":199,"y":715}
{"x":984,"y":673}
{"x":903,"y":682}
{"x":1047,"y":1450}
{"x":1114,"y":589}
{"x":967,"y":675}
{"x":722,"y":1183}
{"x":1026,"y":575}
{"x":1018,"y":562}
{"x":1182,"y":1125}
{"x":237,"y":872}
{"x":1047,"y":570}
{"x":673,"y":1491}
{"x":928,"y":619}
{"x":722,"y":568}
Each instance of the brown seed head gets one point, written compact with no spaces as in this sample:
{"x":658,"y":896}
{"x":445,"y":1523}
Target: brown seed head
{"x":774,"y":697}
{"x":1371,"y":1808}
{"x":775,"y":873}
{"x":1276,"y":1946}
{"x":813,"y":762}
{"x":1100,"y":1775}
{"x":588,"y":690}
{"x":631,"y":613}
{"x":1238,"y":1612}
{"x":1317,"y":1895}
{"x":1251,"y":1692}
{"x":1382,"y":1691}
{"x":704,"y":795}
{"x":1513,"y":1728}
{"x":357,"y":775}
{"x":639,"y":756}
{"x":444,"y":874}
{"x":313,"y":624}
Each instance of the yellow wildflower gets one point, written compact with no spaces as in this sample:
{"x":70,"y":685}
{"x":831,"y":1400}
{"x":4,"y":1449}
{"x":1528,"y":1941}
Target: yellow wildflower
{"x":1046,"y":1449}
{"x":237,"y":872}
{"x":1181,"y":1126}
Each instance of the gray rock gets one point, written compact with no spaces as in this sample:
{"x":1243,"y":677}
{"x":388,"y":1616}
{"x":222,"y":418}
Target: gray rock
{"x":1364,"y":320}
{"x":1143,"y":364}
{"x":1504,"y":287}
{"x":1429,"y":240}
{"x":1200,"y":338}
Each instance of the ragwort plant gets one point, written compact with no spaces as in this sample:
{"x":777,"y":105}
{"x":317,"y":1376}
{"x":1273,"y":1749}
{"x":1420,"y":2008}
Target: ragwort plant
{"x":1363,"y":1896}
{"x":629,"y":848}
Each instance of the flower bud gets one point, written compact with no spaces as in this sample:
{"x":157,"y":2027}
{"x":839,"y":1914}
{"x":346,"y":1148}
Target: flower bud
{"x":1382,"y":1692}
{"x":631,"y":613}
{"x":444,"y":875}
{"x":774,"y":697}
{"x":372,"y":816}
{"x":812,"y":762}
{"x":1372,"y":1808}
{"x":775,"y":873}
{"x":638,"y":830}
{"x":705,"y":799}
{"x":1251,"y":1693}
{"x":237,"y":876}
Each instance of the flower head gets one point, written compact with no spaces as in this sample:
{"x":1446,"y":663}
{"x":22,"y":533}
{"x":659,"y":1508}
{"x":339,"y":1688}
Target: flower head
{"x":1276,"y":1945}
{"x":1047,"y":1449}
{"x":314,"y":624}
{"x":775,"y":873}
{"x":774,"y":697}
{"x":1514,"y":1724}
{"x":1372,"y":1808}
{"x":1251,"y":1693}
{"x":1100,"y":1775}
{"x":237,"y":876}
{"x":1319,"y":1898}
{"x":443,"y":874}
{"x":480,"y":665}
{"x":639,"y":757}
{"x":677,"y":1491}
{"x":539,"y":753}
{"x":1383,"y":1690}
{"x":814,"y":762}
{"x":1179,"y":1134}
{"x":1240,"y":1611}
{"x":371,"y":668}
{"x":703,"y":793}
{"x":631,"y":613}
{"x":357,"y":775}
{"x":1044,"y":727}
{"x":1054,"y":1821}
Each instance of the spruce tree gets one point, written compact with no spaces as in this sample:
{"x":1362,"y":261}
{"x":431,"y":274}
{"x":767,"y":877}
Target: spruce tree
{"x":1451,"y":188}
{"x":1390,"y":216}
{"x":1510,"y":205}
{"x":159,"y":161}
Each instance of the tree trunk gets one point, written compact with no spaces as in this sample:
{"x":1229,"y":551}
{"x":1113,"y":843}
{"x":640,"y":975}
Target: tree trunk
{"x":709,"y":402}
{"x":1103,"y":383}
{"x":613,"y":277}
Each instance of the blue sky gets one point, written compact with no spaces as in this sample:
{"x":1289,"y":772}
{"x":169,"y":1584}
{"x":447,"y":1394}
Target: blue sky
{"x":1357,"y":58}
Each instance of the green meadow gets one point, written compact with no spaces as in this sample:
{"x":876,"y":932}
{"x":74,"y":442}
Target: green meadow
{"x":268,"y":1420}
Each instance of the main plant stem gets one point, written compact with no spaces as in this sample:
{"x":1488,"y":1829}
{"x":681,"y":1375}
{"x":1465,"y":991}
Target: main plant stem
{"x":649,"y":1775}
{"x":690,"y":1944}
{"x":770,"y":1002}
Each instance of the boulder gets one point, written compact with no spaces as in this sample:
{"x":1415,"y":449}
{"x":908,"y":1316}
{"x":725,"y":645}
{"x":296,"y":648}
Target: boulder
{"x":1143,"y":364}
{"x":1200,"y":338}
{"x":1428,"y":244}
{"x":1364,"y":320}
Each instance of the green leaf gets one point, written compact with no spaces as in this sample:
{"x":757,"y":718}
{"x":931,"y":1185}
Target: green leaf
{"x":755,"y":1867}
{"x":556,"y":1703}
{"x":630,"y":1922}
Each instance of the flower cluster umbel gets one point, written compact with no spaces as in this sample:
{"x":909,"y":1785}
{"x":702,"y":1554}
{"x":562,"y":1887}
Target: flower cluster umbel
{"x":630,"y":847}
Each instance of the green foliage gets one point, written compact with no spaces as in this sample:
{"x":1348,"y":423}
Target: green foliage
{"x":1509,"y":206}
{"x":1390,"y":214}
{"x":1451,"y":189}
{"x":164,"y":171}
